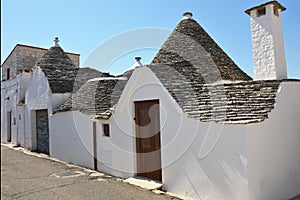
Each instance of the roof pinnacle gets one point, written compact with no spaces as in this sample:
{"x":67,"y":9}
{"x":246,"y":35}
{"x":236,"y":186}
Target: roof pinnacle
{"x":56,"y":41}
{"x":187,"y":15}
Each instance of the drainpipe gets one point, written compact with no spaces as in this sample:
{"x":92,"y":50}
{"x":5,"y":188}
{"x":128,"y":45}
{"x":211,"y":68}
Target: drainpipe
{"x":95,"y":144}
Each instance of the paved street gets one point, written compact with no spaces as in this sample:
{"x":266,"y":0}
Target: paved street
{"x":26,"y":176}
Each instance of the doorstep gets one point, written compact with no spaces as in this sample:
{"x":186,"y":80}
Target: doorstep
{"x":145,"y":183}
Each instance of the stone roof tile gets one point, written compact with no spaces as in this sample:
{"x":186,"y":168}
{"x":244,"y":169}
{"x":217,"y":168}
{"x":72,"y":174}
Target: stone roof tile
{"x":97,"y":98}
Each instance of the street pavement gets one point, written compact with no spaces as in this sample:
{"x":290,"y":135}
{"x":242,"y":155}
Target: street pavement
{"x":26,"y":176}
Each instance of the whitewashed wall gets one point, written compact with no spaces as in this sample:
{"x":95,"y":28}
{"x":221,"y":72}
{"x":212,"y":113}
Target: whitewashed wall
{"x":9,"y":104}
{"x":209,"y":160}
{"x":12,"y":92}
{"x":274,"y":147}
{"x":191,"y":168}
{"x":114,"y":153}
{"x":37,"y":97}
{"x":71,"y":138}
{"x":199,"y":160}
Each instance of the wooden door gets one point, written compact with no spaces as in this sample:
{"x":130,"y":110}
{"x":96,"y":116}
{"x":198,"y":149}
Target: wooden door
{"x":42,"y":131}
{"x":148,"y":151}
{"x":9,"y":127}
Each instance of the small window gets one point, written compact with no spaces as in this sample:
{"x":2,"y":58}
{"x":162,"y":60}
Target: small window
{"x":276,"y":11}
{"x":105,"y":128}
{"x":19,"y":117}
{"x":261,"y":11}
{"x":7,"y":73}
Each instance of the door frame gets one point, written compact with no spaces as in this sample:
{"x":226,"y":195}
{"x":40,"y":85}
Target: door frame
{"x":136,"y":138}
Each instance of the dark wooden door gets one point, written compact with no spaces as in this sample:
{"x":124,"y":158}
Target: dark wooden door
{"x":42,"y":131}
{"x":8,"y":127}
{"x":147,"y":124}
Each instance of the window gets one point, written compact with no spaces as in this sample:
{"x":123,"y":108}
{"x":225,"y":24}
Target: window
{"x":105,"y":129}
{"x":260,"y":12}
{"x":276,"y":11}
{"x":7,"y":73}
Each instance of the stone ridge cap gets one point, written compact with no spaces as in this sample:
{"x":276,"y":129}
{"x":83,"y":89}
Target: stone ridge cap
{"x":32,"y":47}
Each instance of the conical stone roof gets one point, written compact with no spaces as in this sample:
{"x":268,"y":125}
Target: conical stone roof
{"x":62,"y":75}
{"x":194,"y":54}
{"x":56,"y":57}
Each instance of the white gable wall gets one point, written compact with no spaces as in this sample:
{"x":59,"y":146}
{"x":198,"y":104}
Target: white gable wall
{"x":38,"y":94}
{"x":116,"y":154}
{"x":38,"y":97}
{"x":218,"y":165}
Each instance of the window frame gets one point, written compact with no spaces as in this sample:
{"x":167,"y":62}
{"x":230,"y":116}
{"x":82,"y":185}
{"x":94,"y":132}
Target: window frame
{"x":261,"y":12}
{"x":105,"y":130}
{"x":7,"y":73}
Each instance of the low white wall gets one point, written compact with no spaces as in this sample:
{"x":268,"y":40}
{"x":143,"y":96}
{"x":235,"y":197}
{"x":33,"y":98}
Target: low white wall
{"x":71,"y":138}
{"x":114,"y":153}
{"x":274,"y":147}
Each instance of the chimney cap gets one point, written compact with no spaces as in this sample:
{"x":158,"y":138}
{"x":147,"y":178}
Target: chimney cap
{"x":187,"y":15}
{"x":138,"y":58}
{"x":275,"y":3}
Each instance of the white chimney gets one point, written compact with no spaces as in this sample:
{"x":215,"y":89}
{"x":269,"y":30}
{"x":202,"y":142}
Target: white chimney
{"x":267,"y":41}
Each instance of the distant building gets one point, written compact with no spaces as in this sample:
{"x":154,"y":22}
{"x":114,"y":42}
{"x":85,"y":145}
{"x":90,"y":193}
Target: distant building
{"x":34,"y":82}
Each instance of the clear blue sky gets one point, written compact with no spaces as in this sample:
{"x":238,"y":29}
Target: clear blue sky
{"x":84,"y":25}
